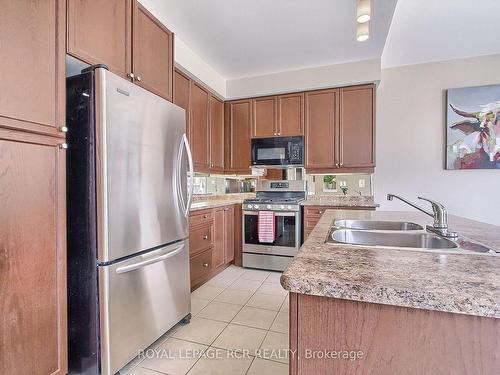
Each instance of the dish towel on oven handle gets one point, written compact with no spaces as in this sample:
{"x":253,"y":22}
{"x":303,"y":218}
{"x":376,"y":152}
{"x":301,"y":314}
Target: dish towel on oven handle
{"x":266,"y":227}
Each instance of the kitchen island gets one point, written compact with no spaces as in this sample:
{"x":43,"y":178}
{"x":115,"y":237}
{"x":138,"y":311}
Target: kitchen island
{"x":381,"y":310}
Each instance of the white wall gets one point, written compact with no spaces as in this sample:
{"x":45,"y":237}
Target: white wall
{"x":305,"y":79}
{"x":411,"y":119}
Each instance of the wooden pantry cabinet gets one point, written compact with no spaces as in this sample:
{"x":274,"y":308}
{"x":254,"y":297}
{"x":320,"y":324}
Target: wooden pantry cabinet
{"x":216,"y":135}
{"x":32,"y":188}
{"x":199,"y":135}
{"x":340,"y":130}
{"x":211,"y":242}
{"x":127,"y":38}
{"x":32,"y":254}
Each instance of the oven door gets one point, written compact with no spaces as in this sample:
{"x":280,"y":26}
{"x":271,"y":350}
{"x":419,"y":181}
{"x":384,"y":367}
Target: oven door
{"x":277,"y":151}
{"x":287,"y":241}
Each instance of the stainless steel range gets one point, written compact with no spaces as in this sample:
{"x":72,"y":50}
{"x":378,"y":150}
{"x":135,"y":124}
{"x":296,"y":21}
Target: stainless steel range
{"x":283,"y":199}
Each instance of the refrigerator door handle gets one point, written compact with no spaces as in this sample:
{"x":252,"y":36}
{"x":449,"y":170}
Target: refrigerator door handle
{"x":191,"y":174}
{"x":135,"y":266}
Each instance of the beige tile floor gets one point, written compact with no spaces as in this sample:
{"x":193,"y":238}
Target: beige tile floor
{"x":239,"y":326}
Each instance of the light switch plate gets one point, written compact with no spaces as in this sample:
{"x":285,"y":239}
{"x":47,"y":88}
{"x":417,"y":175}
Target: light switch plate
{"x":361,"y":182}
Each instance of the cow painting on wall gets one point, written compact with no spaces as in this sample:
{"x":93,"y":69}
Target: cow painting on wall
{"x":473,"y":128}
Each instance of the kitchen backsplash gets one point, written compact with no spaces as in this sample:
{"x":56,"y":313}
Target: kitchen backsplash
{"x":356,"y":184}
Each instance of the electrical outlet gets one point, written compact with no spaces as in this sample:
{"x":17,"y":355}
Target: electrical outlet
{"x":361,"y":183}
{"x":343,"y":183}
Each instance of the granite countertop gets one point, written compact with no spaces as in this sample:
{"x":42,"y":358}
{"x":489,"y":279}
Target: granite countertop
{"x":435,"y":280}
{"x":341,"y":201}
{"x":203,"y":202}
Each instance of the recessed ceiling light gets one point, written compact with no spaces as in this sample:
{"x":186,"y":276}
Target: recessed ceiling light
{"x":363,"y":11}
{"x":363,"y":31}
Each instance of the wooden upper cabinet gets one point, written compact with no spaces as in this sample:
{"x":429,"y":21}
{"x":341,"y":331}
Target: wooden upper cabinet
{"x":321,"y":118}
{"x":199,"y":127}
{"x":99,"y":32}
{"x":264,"y":117}
{"x":182,"y":95}
{"x":216,"y":134}
{"x":290,"y":115}
{"x":33,"y":252}
{"x":357,"y":127}
{"x":152,"y":47}
{"x":32,"y":65}
{"x":238,"y":125}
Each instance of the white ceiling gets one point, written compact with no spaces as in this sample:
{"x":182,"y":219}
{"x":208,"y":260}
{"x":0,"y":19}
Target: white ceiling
{"x":240,"y":38}
{"x":434,"y":30}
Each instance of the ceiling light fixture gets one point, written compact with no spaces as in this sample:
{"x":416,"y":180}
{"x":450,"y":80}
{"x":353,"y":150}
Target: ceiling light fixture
{"x":363,"y":31}
{"x":363,"y":11}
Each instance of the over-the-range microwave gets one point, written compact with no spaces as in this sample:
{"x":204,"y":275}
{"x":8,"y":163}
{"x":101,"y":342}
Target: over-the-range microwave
{"x":278,"y":151}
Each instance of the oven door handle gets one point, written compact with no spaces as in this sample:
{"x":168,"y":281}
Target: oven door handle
{"x":255,"y":213}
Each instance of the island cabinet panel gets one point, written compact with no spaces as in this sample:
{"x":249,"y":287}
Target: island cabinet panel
{"x":391,"y":339}
{"x":199,"y":127}
{"x":321,"y":135}
{"x":238,"y":123}
{"x":33,"y":337}
{"x":182,"y":96}
{"x":290,"y":114}
{"x":152,"y":53}
{"x":264,"y":119}
{"x":32,"y":65}
{"x":357,"y":127}
{"x":99,"y":32}
{"x":216,"y":135}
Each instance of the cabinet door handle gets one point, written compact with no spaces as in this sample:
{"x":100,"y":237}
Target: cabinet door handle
{"x":131,"y":76}
{"x":205,"y":265}
{"x":138,"y":79}
{"x":205,"y":237}
{"x":341,"y":164}
{"x":205,"y":216}
{"x":336,"y":164}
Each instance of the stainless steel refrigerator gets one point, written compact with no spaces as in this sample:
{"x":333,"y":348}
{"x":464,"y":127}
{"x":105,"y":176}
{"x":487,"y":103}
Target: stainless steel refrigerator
{"x":127,"y":214}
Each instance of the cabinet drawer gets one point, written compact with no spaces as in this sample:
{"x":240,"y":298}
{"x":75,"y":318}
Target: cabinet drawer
{"x":310,"y":222}
{"x":200,"y":217}
{"x":200,"y":238}
{"x":315,"y":210}
{"x":200,"y":266}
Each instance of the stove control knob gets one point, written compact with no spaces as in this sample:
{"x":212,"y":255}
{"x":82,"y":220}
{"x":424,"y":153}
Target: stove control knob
{"x":250,"y":206}
{"x":256,"y":206}
{"x":289,"y":207}
{"x":282,"y":207}
{"x":268,"y":206}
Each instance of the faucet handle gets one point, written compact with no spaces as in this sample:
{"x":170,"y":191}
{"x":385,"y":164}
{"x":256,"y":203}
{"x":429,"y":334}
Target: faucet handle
{"x":433,"y":202}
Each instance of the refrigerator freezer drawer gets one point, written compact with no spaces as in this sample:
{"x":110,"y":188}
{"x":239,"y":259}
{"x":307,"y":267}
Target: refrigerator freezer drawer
{"x":140,"y":299}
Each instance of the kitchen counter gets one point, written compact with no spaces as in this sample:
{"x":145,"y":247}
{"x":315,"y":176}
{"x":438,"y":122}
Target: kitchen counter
{"x":433,"y":280}
{"x":340,"y":201}
{"x":203,"y":202}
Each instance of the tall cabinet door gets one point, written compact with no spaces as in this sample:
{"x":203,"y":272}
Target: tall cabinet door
{"x":199,"y":126}
{"x":320,"y":129}
{"x":32,"y":254}
{"x":228,"y":234}
{"x":182,"y":95}
{"x":238,"y":125}
{"x":32,"y":66}
{"x":264,"y":117}
{"x":291,"y":114}
{"x":216,"y":134}
{"x":99,"y":32}
{"x":152,"y":50}
{"x":357,"y":127}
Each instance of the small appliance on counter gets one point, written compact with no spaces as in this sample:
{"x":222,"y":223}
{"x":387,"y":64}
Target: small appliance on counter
{"x":278,"y":152}
{"x":281,"y":201}
{"x":127,"y":214}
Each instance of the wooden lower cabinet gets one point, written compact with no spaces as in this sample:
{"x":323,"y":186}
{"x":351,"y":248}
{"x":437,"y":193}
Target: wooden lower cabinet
{"x":312,"y":214}
{"x":33,"y":331}
{"x":211,"y":242}
{"x":384,"y":339}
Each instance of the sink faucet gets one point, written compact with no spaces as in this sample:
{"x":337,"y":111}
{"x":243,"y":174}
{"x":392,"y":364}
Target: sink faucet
{"x":439,"y":214}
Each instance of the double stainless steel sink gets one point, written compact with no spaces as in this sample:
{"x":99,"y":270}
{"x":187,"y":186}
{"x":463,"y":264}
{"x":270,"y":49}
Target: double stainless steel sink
{"x":387,"y":233}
